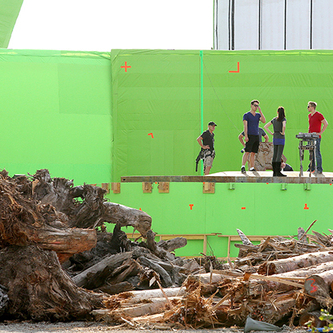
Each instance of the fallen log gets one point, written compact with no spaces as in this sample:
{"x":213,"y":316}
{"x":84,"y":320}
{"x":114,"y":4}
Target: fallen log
{"x":155,"y":305}
{"x":277,"y":308}
{"x":137,"y":296}
{"x":287,"y":281}
{"x":65,"y":242}
{"x":95,"y":276}
{"x":320,"y":286}
{"x":290,"y":264}
{"x":316,"y":286}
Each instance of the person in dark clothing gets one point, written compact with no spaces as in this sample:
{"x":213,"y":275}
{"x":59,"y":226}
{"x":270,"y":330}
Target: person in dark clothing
{"x":206,"y":142}
{"x":251,"y":130}
{"x":262,"y":133}
{"x":279,"y":125}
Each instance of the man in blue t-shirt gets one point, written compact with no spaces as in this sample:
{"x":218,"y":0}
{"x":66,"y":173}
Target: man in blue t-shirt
{"x":251,"y":130}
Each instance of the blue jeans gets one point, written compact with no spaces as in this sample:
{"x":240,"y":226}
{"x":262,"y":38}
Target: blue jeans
{"x":319,"y":159}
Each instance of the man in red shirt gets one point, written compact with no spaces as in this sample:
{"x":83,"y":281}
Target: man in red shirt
{"x":316,"y":119}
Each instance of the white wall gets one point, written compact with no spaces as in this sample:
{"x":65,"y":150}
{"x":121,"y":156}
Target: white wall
{"x":273,"y":24}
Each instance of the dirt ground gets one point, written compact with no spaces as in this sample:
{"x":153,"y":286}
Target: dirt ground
{"x":93,"y":327}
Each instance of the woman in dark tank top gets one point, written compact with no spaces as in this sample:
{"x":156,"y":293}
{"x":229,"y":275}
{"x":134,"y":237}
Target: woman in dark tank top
{"x":279,"y":126}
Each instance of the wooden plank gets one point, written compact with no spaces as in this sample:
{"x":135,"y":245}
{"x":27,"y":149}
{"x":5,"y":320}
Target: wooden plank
{"x":236,"y":177}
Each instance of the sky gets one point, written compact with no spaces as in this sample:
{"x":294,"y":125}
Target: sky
{"x":102,"y":25}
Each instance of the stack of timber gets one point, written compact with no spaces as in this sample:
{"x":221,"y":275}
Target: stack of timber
{"x":288,"y":290}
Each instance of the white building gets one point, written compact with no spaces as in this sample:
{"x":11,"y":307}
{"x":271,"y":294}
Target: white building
{"x":273,"y":24}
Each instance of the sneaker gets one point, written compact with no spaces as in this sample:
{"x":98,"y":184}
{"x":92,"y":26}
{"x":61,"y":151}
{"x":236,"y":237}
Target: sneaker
{"x":243,"y":170}
{"x":253,"y":170}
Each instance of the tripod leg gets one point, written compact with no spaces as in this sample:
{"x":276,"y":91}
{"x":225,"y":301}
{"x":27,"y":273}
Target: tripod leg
{"x":300,"y":158}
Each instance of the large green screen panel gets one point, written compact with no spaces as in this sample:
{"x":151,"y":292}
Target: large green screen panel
{"x":165,"y":94}
{"x":287,"y":78}
{"x":156,"y":111}
{"x":56,"y":114}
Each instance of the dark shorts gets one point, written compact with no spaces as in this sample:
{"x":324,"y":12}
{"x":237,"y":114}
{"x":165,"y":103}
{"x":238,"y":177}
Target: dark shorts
{"x":253,"y":144}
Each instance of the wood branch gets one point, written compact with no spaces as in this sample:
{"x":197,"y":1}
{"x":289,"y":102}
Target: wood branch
{"x":95,"y":276}
{"x":243,"y":237}
{"x":172,"y":244}
{"x":152,"y":246}
{"x":165,"y":277}
{"x":148,"y":319}
{"x":307,"y":230}
{"x":126,"y":217}
{"x":301,"y":235}
{"x":289,"y":264}
{"x":92,"y":210}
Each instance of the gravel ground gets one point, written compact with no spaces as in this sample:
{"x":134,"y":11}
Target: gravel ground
{"x":92,"y":327}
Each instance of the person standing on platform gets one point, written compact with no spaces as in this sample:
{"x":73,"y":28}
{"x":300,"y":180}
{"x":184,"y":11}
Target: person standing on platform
{"x":206,"y":142}
{"x":251,"y":130}
{"x":279,"y":126}
{"x":316,"y":119}
{"x":262,"y":133}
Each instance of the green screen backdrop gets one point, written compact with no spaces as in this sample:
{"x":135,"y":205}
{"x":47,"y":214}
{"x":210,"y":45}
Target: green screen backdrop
{"x":56,"y":113}
{"x":96,"y":116}
{"x":161,"y":103}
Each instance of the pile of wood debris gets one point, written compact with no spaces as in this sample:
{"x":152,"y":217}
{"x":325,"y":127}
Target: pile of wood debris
{"x":54,"y":265}
{"x":258,"y":284}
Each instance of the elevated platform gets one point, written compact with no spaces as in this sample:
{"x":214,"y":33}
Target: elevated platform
{"x":237,"y":177}
{"x":218,"y":204}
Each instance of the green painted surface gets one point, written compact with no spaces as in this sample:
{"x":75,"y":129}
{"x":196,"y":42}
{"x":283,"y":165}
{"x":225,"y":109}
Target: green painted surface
{"x":256,"y":209}
{"x":161,"y":94}
{"x":80,"y":115}
{"x":56,"y":114}
{"x":9,"y":11}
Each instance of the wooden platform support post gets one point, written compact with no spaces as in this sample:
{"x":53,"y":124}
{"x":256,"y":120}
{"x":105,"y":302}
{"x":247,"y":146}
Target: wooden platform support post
{"x":163,"y":187}
{"x":147,"y":187}
{"x":106,"y":187}
{"x":208,"y":187}
{"x":115,"y":187}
